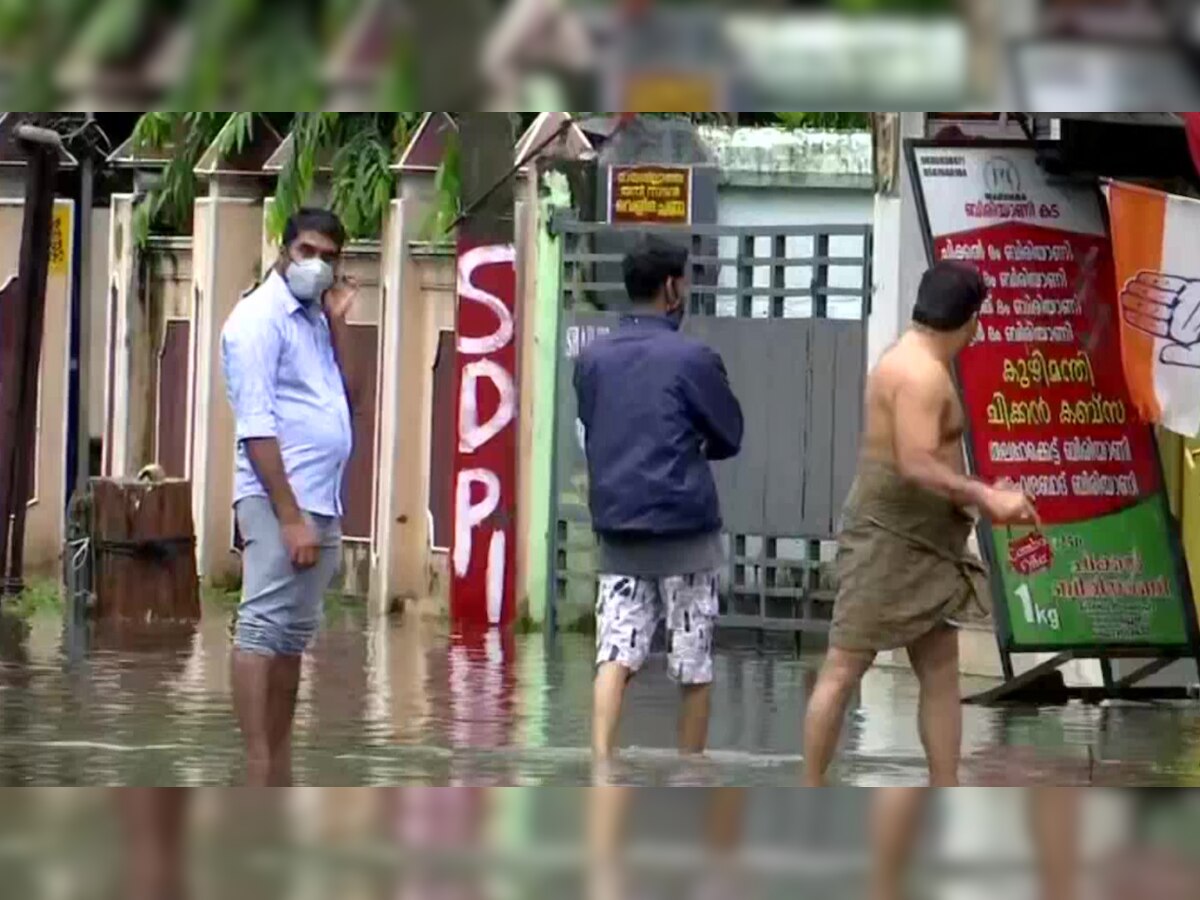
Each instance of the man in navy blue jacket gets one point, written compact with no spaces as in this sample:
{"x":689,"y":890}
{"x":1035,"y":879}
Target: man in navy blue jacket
{"x":656,"y":406}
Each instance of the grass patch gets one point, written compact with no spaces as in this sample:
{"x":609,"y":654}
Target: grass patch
{"x":39,"y":597}
{"x":339,"y":606}
{"x":224,"y":597}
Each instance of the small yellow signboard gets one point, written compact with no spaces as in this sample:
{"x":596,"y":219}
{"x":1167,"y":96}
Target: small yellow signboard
{"x":650,"y":195}
{"x":60,"y":239}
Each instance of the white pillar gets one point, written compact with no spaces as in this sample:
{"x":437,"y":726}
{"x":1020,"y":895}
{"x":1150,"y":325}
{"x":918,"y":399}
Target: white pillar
{"x":899,"y":251}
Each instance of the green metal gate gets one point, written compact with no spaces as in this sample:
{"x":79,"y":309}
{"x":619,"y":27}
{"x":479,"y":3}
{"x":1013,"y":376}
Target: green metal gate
{"x":786,"y":307}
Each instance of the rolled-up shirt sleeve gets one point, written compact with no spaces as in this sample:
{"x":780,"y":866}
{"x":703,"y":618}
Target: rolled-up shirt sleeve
{"x":250,"y":358}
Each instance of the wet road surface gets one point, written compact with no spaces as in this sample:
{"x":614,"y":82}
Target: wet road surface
{"x":400,"y":703}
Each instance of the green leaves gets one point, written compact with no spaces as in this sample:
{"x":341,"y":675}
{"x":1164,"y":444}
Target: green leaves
{"x":311,"y":133}
{"x":362,"y":177}
{"x":168,"y":205}
{"x":826,"y":121}
{"x":236,"y":133}
{"x":447,"y":185}
{"x":359,"y":147}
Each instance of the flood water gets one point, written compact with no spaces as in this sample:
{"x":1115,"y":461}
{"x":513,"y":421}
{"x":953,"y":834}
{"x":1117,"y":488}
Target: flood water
{"x":399,"y":703}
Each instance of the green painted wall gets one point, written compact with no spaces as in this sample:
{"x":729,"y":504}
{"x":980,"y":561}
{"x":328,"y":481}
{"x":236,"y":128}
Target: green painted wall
{"x":555,"y":192}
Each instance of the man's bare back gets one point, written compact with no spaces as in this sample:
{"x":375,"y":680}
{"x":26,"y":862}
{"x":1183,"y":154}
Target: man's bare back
{"x":912,"y":380}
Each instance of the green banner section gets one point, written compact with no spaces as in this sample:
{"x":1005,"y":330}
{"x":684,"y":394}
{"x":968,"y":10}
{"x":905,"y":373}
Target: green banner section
{"x":1106,"y":583}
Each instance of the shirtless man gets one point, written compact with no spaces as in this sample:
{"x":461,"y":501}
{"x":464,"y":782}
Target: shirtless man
{"x":904,"y":572}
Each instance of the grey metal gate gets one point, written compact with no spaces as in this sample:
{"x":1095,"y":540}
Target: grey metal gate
{"x":786,"y":306}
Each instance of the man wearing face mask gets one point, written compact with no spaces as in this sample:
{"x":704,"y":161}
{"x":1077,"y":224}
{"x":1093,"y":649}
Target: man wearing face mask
{"x":655,"y":407}
{"x":280,"y":355}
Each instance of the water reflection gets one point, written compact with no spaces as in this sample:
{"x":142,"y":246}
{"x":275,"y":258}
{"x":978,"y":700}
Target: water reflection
{"x":401,"y":702}
{"x":88,"y":844}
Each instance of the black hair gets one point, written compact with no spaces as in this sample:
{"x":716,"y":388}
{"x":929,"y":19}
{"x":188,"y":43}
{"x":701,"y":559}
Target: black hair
{"x":950,"y":294}
{"x":312,"y":218}
{"x":650,"y":264}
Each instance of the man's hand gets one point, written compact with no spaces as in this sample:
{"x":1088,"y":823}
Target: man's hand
{"x":1005,"y":506}
{"x":300,"y":538}
{"x":339,"y":298}
{"x":1167,"y":307}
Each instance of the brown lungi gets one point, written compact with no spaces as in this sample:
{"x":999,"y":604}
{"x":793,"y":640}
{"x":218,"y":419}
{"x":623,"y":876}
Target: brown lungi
{"x":903,"y":566}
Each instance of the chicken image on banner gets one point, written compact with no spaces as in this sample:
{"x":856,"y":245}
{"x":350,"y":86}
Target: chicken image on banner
{"x":1154,"y":240}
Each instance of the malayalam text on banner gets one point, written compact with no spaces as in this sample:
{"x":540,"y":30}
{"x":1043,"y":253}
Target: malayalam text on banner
{"x":1048,"y":406}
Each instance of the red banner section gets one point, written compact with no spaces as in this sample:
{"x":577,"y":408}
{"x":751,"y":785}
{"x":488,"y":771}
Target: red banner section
{"x":485,"y":462}
{"x":1043,"y":383}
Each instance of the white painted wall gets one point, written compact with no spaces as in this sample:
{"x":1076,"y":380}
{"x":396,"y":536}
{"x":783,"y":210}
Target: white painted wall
{"x":899,"y":253}
{"x":97,"y":298}
{"x":795,"y":206}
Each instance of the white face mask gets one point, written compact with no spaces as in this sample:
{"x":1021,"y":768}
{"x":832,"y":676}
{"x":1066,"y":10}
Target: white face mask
{"x":309,"y":279}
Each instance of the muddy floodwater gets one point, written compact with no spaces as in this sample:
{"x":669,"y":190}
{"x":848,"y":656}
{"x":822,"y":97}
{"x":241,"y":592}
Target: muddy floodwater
{"x":400,"y":702}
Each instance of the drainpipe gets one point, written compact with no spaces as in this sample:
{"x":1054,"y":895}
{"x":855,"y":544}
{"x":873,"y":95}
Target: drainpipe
{"x":18,"y":398}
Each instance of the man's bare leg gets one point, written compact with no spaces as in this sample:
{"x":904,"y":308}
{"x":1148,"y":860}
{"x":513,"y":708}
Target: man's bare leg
{"x":840,"y":674}
{"x":1054,"y":822}
{"x":693,"y":718}
{"x":607,"y":807}
{"x":895,"y":818}
{"x":251,"y":702}
{"x":727,"y":814}
{"x":939,"y":715}
{"x":608,"y":692}
{"x":154,"y":820}
{"x":281,"y":711}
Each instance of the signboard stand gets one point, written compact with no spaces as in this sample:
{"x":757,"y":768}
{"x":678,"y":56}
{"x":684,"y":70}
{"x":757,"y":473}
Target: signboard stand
{"x":1048,"y":410}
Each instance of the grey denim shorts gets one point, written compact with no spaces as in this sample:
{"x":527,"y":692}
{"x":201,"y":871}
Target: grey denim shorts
{"x":281,"y":605}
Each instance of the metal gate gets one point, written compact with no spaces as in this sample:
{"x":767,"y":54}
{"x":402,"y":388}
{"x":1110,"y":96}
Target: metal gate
{"x":786,"y":307}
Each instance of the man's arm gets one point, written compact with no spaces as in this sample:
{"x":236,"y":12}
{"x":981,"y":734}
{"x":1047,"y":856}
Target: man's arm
{"x":337,"y":302}
{"x":716,"y":409}
{"x":250,"y":358}
{"x":919,"y":406}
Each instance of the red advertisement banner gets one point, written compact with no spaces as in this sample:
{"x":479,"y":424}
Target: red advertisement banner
{"x":485,"y":462}
{"x":1043,"y":382}
{"x":1049,"y":409}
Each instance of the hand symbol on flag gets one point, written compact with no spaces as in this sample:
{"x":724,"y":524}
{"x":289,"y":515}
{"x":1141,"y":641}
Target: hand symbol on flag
{"x":1166,"y":307}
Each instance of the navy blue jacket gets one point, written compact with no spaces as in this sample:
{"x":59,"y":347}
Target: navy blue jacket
{"x":656,"y":406}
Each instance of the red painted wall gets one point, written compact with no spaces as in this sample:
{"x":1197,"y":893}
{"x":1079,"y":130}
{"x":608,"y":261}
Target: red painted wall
{"x":485,"y":460}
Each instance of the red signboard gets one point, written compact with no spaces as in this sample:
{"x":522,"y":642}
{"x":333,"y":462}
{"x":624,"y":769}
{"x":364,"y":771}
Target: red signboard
{"x":1031,"y":554}
{"x":485,"y":460}
{"x":1045,"y":380}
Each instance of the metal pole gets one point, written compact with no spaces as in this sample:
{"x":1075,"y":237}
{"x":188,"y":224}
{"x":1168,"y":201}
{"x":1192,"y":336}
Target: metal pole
{"x":83,"y":423}
{"x":42,"y":147}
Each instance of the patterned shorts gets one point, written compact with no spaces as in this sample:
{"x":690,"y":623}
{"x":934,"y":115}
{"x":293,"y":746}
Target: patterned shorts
{"x":629,"y":611}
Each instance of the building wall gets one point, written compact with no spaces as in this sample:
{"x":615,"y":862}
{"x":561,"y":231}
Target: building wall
{"x":796,"y":206}
{"x":227,"y":263}
{"x":44,"y":524}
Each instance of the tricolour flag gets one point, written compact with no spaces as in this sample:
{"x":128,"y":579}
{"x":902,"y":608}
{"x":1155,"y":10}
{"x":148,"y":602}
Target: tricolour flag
{"x":1156,"y":253}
